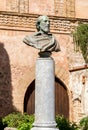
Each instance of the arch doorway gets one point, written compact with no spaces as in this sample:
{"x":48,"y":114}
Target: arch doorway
{"x":61,"y":99}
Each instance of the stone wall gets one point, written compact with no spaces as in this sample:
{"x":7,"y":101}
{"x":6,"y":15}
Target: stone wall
{"x":79,"y":92}
{"x":61,"y":8}
{"x":81,"y":8}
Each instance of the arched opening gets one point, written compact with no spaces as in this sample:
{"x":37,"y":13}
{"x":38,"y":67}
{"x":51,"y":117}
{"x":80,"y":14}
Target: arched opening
{"x":29,"y":100}
{"x":61,"y":99}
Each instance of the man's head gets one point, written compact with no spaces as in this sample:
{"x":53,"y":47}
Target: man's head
{"x":43,"y":24}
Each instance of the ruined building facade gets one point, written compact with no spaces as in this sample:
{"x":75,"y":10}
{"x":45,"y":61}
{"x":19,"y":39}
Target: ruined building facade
{"x":17,"y":60}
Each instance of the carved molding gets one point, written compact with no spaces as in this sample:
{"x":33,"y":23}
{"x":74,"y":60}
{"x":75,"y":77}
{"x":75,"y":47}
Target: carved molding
{"x":15,"y":21}
{"x":62,"y":8}
{"x":70,"y":8}
{"x":27,"y":23}
{"x":24,"y":6}
{"x":65,"y":8}
{"x":12,"y":5}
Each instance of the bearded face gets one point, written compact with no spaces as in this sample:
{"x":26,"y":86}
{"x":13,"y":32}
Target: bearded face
{"x":44,"y":25}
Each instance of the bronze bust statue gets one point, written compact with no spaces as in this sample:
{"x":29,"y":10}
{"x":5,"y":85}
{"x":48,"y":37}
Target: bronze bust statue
{"x":42,"y":39}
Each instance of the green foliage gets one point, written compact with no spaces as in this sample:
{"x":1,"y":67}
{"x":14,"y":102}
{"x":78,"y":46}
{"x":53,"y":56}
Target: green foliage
{"x":24,"y":122}
{"x":81,"y":39}
{"x":19,"y":121}
{"x":64,"y":124}
{"x":84,"y":123}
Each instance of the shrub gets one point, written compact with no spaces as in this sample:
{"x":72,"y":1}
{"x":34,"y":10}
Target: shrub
{"x":81,"y":39}
{"x":84,"y":123}
{"x":24,"y":122}
{"x":64,"y":124}
{"x":19,"y":121}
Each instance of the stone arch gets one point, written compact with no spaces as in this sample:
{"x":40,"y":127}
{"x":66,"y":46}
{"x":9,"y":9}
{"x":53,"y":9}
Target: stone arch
{"x":61,"y":99}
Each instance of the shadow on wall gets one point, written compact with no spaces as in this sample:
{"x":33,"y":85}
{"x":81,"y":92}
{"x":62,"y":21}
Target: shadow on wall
{"x":6,"y":106}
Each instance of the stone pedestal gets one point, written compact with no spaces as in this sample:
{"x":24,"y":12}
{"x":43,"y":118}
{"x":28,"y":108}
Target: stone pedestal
{"x":45,"y":95}
{"x":10,"y":128}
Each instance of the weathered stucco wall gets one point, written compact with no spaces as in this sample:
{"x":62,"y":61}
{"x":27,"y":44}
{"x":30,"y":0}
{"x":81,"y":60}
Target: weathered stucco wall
{"x":81,"y":8}
{"x":79,"y":93}
{"x":64,"y":8}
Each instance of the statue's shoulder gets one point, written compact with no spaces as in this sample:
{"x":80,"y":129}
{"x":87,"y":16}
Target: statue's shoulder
{"x":34,"y":35}
{"x":29,"y":37}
